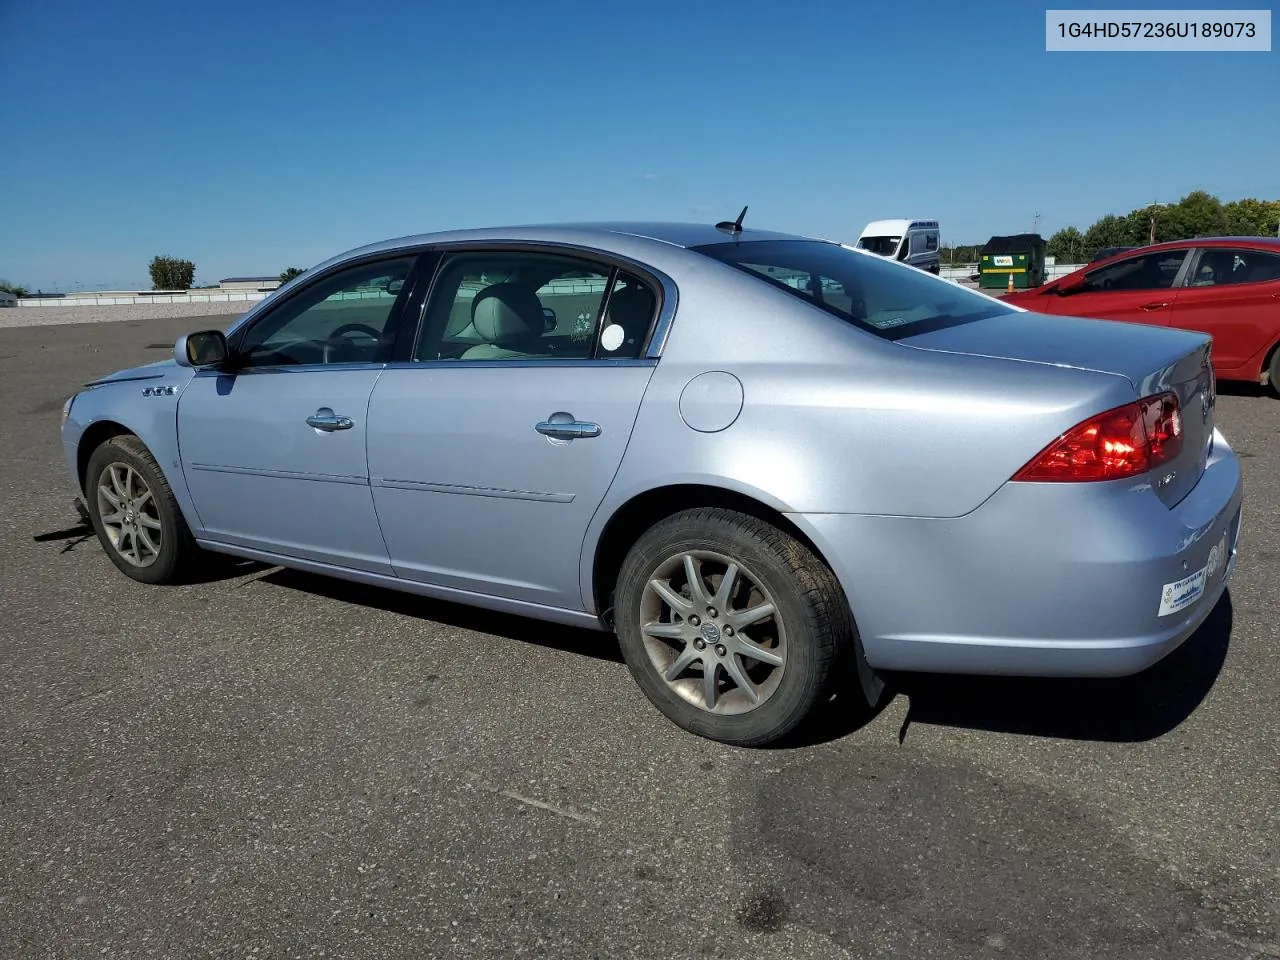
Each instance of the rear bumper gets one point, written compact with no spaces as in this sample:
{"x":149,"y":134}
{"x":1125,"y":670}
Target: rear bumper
{"x":1054,"y":580}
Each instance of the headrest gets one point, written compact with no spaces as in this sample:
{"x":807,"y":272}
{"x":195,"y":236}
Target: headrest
{"x":507,"y":311}
{"x":632,"y":308}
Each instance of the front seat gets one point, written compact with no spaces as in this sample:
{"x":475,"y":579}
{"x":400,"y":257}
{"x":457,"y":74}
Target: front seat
{"x":509,"y":318}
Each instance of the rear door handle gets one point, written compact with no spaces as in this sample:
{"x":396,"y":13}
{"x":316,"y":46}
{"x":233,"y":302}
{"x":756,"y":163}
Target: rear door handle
{"x":1155,"y":305}
{"x":329,"y":422}
{"x":567,"y":429}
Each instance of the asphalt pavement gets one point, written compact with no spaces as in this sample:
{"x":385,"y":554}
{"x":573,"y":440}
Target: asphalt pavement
{"x":278,"y":765}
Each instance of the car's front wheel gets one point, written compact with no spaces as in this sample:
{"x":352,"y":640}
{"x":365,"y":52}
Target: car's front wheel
{"x":134,"y":513}
{"x":731,"y":626}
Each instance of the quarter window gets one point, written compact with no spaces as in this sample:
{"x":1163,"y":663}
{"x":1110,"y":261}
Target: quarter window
{"x":1151,"y":271}
{"x":340,"y":319}
{"x":1220,"y":266}
{"x":534,"y":306}
{"x":627,"y":318}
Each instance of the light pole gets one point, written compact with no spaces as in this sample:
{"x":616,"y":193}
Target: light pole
{"x":1155,"y":205}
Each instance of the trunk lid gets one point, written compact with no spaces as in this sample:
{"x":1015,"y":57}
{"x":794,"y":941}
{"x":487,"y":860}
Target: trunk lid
{"x":1153,"y":359}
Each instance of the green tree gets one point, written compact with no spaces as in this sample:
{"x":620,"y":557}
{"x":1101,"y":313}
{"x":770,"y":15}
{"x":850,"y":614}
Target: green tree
{"x":1198,"y":214}
{"x":1252,"y":218}
{"x":170,"y":273}
{"x":1066,"y":245}
{"x":1111,"y":231}
{"x":17,"y":289}
{"x":290,"y":273}
{"x":959,"y":253}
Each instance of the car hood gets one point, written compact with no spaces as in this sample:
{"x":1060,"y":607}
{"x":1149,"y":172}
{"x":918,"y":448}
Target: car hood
{"x":146,"y":371}
{"x":1130,"y":350}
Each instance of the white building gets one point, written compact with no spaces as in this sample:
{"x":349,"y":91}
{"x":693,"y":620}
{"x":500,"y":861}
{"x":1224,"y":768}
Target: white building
{"x":249,"y":284}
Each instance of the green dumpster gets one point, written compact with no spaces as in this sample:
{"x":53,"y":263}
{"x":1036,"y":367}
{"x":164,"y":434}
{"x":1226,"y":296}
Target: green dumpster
{"x":1020,"y":256}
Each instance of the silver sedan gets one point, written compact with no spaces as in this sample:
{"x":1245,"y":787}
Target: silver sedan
{"x":775,"y":467}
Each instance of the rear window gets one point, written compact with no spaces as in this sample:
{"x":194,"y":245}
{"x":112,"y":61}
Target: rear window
{"x":883,"y":297}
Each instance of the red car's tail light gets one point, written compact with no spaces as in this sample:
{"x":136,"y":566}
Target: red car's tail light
{"x":1123,"y":442}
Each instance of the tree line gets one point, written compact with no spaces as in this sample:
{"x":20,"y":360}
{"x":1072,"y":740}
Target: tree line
{"x":1198,"y":214}
{"x":170,"y":273}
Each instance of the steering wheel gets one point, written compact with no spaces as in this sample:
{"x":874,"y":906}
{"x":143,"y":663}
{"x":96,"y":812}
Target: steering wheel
{"x":361,"y":329}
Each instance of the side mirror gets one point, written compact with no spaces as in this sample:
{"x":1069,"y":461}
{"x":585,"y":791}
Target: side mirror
{"x":208,"y":348}
{"x":549,"y":320}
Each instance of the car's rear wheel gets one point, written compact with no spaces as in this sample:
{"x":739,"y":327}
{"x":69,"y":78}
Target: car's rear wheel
{"x":135,"y":515}
{"x":729,"y":625}
{"x":1273,"y":380}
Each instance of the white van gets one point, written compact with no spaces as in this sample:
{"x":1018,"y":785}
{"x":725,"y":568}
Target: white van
{"x":914,"y":242}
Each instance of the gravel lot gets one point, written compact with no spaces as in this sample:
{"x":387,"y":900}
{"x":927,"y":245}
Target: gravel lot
{"x":276,"y":765}
{"x":222,"y":313}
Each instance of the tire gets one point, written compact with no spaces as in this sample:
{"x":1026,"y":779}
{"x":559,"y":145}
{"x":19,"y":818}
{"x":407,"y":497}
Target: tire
{"x":810,"y":634}
{"x":126,"y":466}
{"x":1273,"y":380}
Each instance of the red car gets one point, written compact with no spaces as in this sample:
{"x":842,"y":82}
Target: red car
{"x":1227,"y":287}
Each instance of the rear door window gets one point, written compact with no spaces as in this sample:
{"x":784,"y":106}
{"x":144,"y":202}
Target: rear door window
{"x":1219,"y":266}
{"x":502,"y":305}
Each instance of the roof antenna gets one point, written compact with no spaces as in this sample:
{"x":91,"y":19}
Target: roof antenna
{"x":734,"y":226}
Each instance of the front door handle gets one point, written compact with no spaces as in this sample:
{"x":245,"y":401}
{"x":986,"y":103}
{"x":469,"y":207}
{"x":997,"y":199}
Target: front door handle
{"x":329,"y":421}
{"x":562,"y":426}
{"x":1155,"y":305}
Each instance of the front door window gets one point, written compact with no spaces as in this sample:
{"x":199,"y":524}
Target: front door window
{"x":1152,"y":271}
{"x":343,"y":318}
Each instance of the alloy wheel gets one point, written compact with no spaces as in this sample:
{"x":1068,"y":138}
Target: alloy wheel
{"x":713,"y":632}
{"x":129,"y":514}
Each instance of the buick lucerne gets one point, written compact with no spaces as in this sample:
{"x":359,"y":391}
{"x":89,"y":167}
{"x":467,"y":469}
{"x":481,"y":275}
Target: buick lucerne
{"x":775,"y":467}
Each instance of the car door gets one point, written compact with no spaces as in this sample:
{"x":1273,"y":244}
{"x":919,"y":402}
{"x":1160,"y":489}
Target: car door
{"x":493,"y":444}
{"x":273,"y":444}
{"x":1137,"y":289}
{"x":1232,"y":294}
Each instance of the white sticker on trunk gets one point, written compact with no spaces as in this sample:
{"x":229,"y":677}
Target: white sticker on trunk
{"x":1180,"y":595}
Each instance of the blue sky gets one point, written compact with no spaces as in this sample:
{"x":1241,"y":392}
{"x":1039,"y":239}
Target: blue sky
{"x":249,"y":137}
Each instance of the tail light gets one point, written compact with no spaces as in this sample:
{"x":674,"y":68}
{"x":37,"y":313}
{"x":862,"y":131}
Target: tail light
{"x":1124,"y":442}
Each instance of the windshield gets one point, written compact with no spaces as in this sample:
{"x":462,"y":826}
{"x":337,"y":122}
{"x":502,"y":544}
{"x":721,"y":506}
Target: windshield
{"x":884,"y":246}
{"x":881,"y":296}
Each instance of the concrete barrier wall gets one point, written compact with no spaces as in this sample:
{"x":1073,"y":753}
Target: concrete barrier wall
{"x":81,"y":300}
{"x":84,"y":300}
{"x":560,"y":286}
